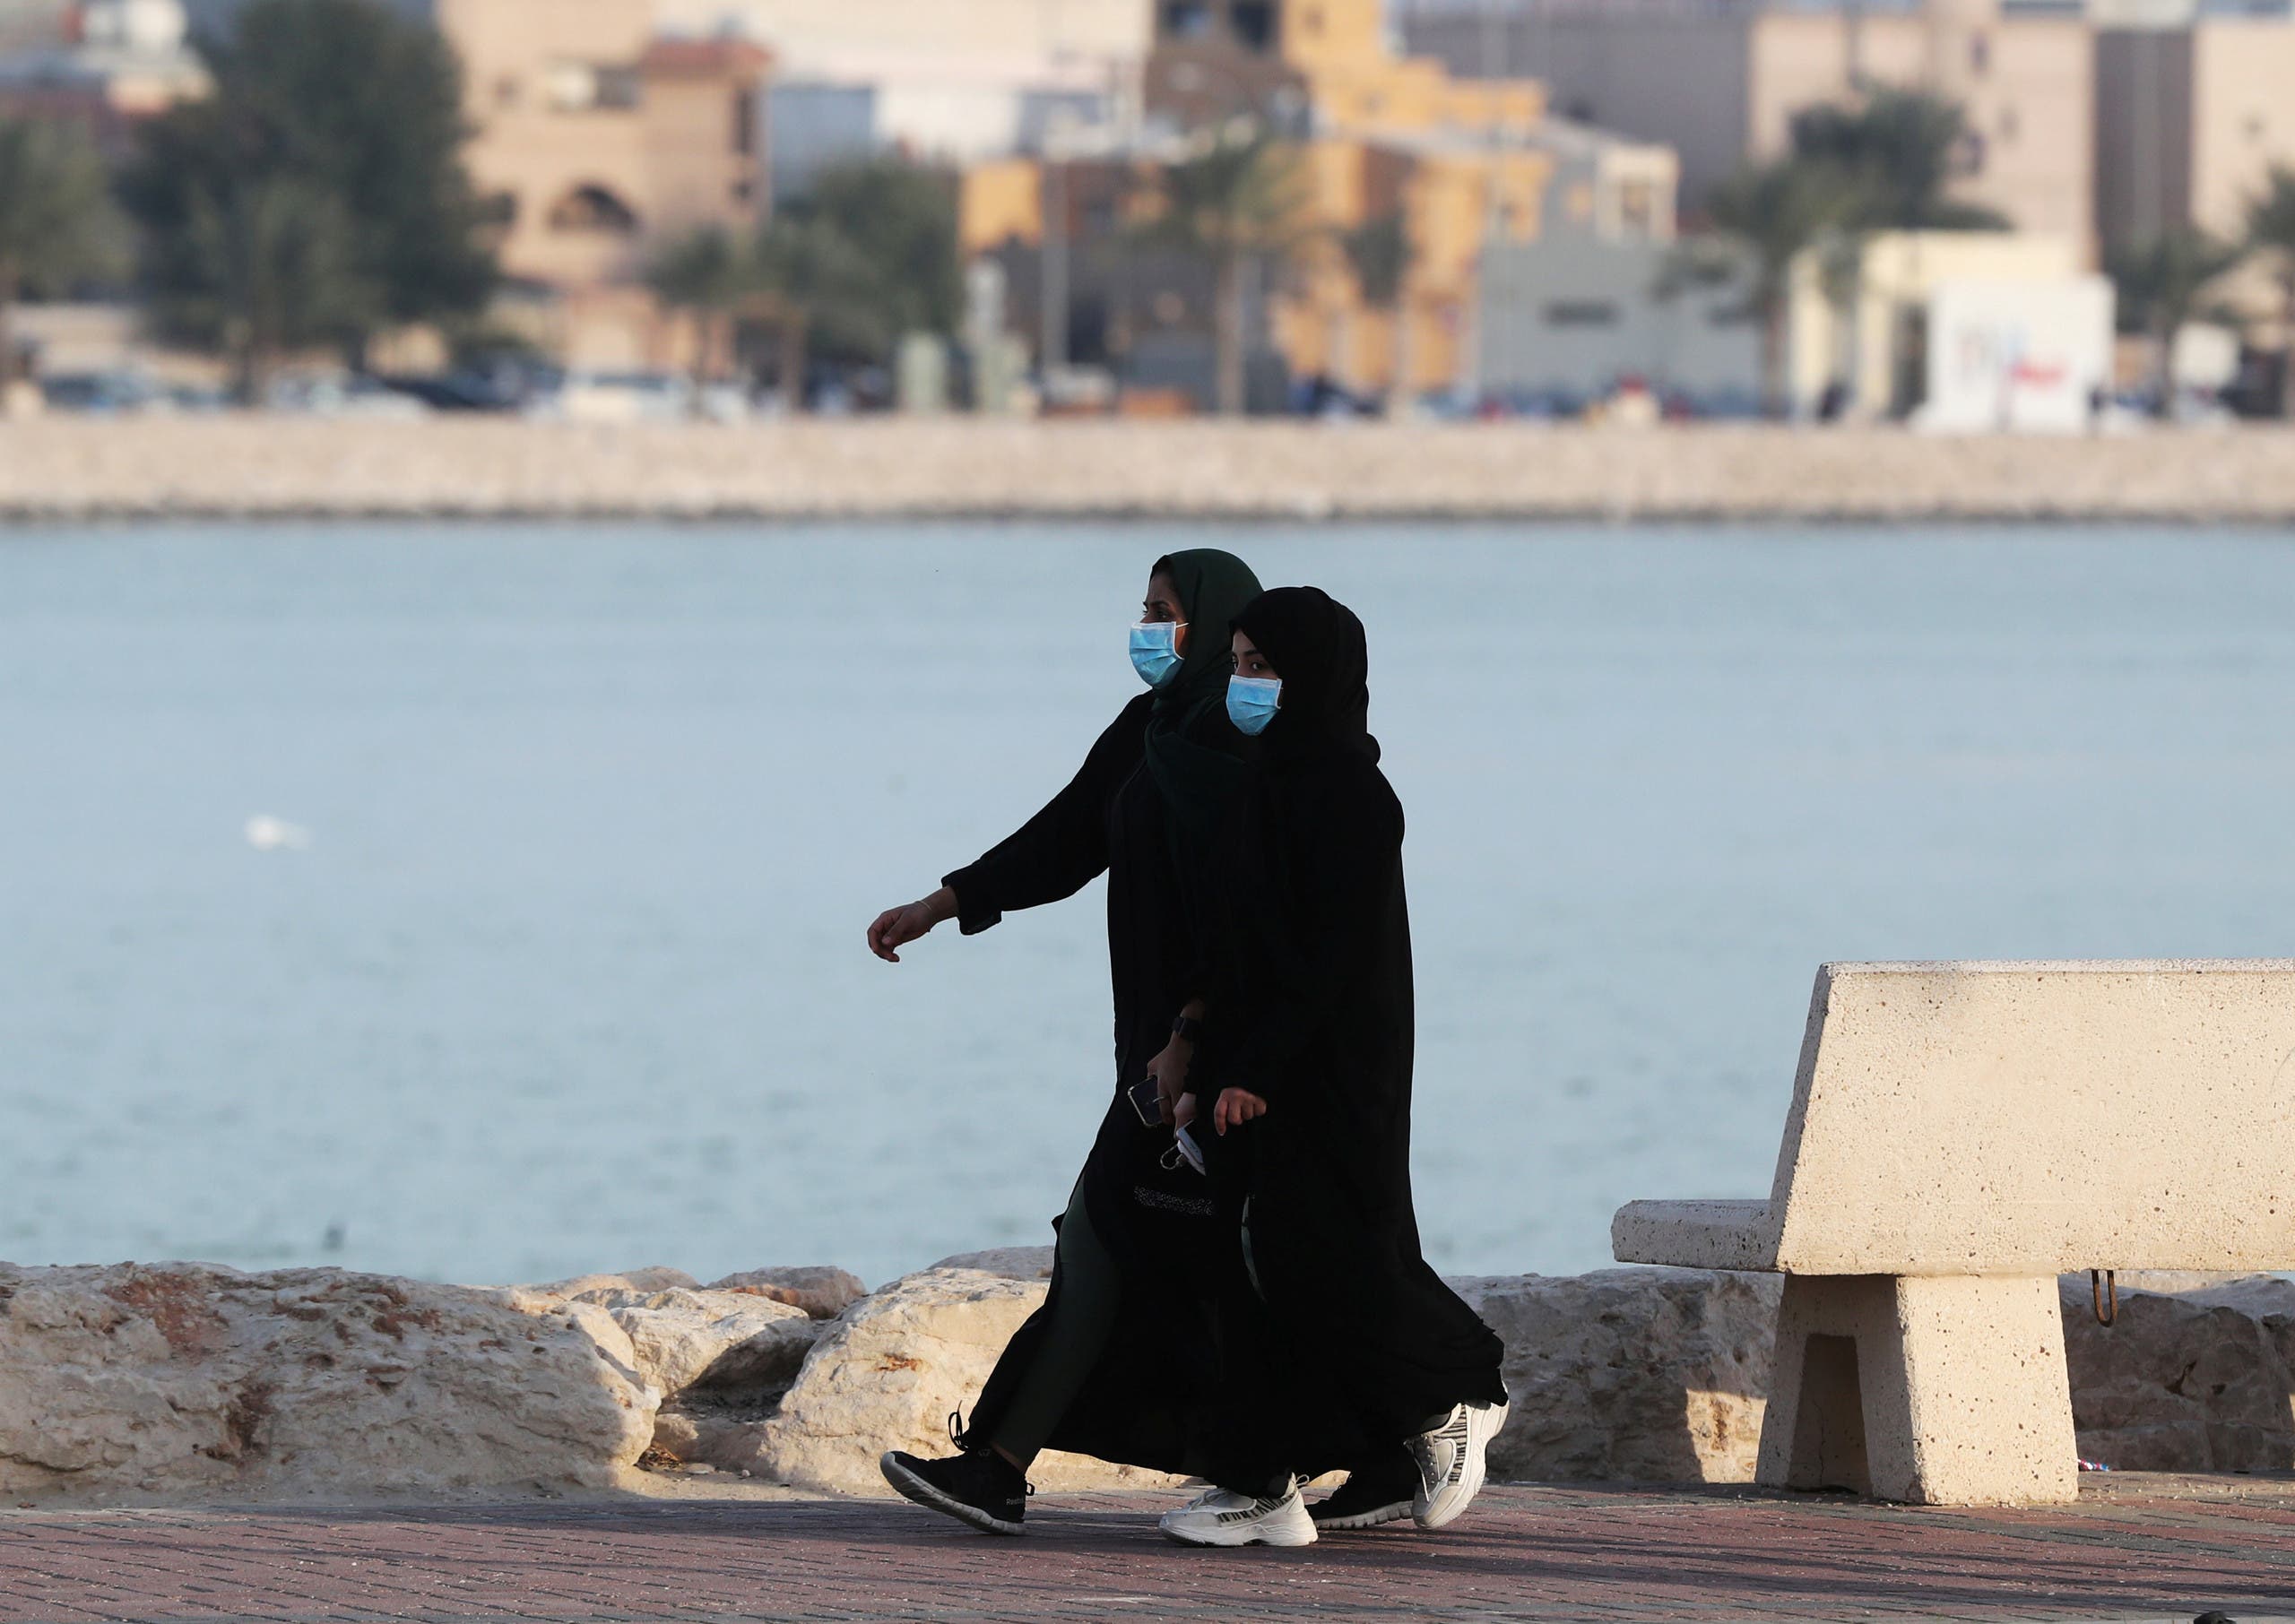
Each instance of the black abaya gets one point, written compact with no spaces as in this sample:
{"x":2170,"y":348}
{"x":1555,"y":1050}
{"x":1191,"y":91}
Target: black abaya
{"x":1140,"y":810}
{"x":1308,"y":984}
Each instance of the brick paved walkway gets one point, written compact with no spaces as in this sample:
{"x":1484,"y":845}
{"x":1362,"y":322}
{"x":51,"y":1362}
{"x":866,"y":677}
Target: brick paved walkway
{"x":2133,"y":1548}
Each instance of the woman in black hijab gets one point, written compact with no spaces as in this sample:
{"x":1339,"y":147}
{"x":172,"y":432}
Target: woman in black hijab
{"x":1082,"y":1374}
{"x":1342,"y":1348}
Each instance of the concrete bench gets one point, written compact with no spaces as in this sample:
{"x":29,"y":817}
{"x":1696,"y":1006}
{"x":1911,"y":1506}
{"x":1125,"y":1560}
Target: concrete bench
{"x":1959,"y":1134}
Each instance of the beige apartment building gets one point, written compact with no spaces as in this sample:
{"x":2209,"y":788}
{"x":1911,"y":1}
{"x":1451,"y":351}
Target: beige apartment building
{"x":2193,"y":111}
{"x":1720,"y":81}
{"x":817,"y":32}
{"x":2191,"y":114}
{"x":599,"y":139}
{"x":941,"y":80}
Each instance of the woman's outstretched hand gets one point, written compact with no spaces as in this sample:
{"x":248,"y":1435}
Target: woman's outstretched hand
{"x":1236,"y":1106}
{"x":897,"y":927}
{"x":1169,"y":1069}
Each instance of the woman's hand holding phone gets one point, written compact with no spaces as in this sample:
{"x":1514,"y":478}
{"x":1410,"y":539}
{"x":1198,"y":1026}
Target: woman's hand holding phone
{"x":1169,"y":1070}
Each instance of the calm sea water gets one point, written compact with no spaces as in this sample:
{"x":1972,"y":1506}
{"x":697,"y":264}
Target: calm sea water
{"x":571,"y":974}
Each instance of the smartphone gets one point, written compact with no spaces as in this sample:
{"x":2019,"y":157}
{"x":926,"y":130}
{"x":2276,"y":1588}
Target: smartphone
{"x":1145,"y":1102}
{"x":1189,"y":1151}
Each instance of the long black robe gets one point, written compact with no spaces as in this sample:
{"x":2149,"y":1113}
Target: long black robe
{"x":1308,"y":985}
{"x":1143,"y":809}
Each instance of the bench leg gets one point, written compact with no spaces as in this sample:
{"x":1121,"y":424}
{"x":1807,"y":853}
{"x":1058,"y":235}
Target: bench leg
{"x":1947,"y":1392}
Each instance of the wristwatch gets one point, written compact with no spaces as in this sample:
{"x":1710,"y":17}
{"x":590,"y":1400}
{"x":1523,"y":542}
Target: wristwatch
{"x":1187,"y":1027}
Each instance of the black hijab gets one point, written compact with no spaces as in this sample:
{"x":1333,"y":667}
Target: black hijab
{"x":1193,"y":753}
{"x":1316,"y":646}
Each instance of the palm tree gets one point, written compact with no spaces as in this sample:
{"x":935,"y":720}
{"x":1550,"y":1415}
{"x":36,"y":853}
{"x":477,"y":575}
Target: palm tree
{"x":1886,"y":163}
{"x":56,"y":223}
{"x":2161,"y":284}
{"x":1766,"y":217}
{"x":806,"y":271}
{"x":1896,"y":152}
{"x":706,"y":274}
{"x":240,"y":253}
{"x":279,"y":252}
{"x":1379,"y":252}
{"x":1239,"y":199}
{"x":2271,"y":231}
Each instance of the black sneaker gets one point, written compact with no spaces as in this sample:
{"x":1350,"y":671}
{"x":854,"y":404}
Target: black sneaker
{"x":1374,"y":1493}
{"x":978,"y":1486}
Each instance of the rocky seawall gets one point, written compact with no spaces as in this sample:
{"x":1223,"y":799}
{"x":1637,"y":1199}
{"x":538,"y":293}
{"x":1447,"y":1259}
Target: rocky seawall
{"x":233,"y":466}
{"x":188,"y":1383}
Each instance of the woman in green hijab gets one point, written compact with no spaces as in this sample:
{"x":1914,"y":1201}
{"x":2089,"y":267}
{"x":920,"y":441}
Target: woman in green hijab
{"x":1089,"y":1372}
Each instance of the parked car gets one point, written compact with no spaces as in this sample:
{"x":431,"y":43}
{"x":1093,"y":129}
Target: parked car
{"x":615,"y":397}
{"x":342,"y":395}
{"x":1730,"y":404}
{"x":197,"y":397}
{"x":103,"y":393}
{"x":1319,"y":395}
{"x":643,"y":397}
{"x":1555,"y":405}
{"x":505,"y":382}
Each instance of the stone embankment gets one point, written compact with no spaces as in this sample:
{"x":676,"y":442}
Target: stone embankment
{"x":233,"y":466}
{"x":192,"y":1383}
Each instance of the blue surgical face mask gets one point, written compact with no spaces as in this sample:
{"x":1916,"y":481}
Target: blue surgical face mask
{"x":1153,"y":651}
{"x":1251,"y":703}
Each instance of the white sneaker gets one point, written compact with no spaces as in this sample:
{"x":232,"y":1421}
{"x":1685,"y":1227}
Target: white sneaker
{"x":1218,"y":1517}
{"x":1450,"y":1462}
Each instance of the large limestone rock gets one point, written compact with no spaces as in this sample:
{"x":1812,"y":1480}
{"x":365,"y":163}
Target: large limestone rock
{"x":655,"y":1277}
{"x":1012,"y":1262}
{"x":683,"y":1339}
{"x":887,"y":1376}
{"x":821,"y":1291}
{"x":196,"y":1383}
{"x":1633,"y":1374}
{"x":720,"y":1359}
{"x":2199,"y":1378}
{"x":193,"y":1382}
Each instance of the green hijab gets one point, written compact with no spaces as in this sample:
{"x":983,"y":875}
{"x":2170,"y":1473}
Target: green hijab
{"x":1198,"y":763}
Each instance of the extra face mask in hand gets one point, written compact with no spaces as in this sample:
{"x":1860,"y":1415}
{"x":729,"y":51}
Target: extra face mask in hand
{"x":1154,"y":653}
{"x":1252,"y":702}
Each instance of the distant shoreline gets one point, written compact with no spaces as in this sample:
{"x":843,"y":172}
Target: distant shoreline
{"x":248,"y":468}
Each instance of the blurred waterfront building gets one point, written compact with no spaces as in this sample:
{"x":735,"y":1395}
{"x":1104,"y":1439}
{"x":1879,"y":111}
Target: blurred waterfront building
{"x":1976,"y":330}
{"x":938,"y":80}
{"x":598,"y":141}
{"x":1216,"y":58}
{"x":1469,"y":212}
{"x":1383,"y":139}
{"x":1213,"y":60}
{"x":1958,"y":330}
{"x":1720,"y":81}
{"x":1093,"y":302}
{"x":28,"y":25}
{"x":2195,"y":104}
{"x":1597,"y":302}
{"x":216,"y":16}
{"x":99,"y":63}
